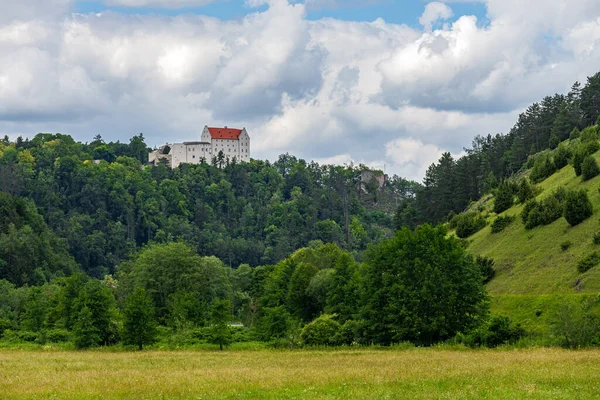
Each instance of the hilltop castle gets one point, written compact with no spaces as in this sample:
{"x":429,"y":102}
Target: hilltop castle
{"x":232,"y":143}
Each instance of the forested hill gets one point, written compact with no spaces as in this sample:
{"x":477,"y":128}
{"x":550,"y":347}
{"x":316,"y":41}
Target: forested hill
{"x":450,"y":185}
{"x":60,"y":210}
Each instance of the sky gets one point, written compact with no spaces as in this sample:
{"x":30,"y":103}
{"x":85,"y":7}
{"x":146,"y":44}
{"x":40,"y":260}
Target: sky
{"x":391,"y":84}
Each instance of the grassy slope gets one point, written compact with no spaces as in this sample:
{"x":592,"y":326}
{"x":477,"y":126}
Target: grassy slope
{"x":532,"y":272}
{"x":313,"y":374}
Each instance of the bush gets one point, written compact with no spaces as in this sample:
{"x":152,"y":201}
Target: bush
{"x":596,"y":239}
{"x":486,"y":266}
{"x":323,"y":331}
{"x":543,"y":168}
{"x":589,"y":262}
{"x":525,"y":191}
{"x":57,"y":336}
{"x":498,"y":331}
{"x":564,"y":246}
{"x":554,"y":141}
{"x":577,"y":207}
{"x":589,"y":168}
{"x":589,"y":134}
{"x":501,"y":223}
{"x":575,"y":326}
{"x":574,"y":134}
{"x":468,"y":224}
{"x":504,"y":197}
{"x":349,"y":333}
{"x":545,"y":212}
{"x":561,"y":157}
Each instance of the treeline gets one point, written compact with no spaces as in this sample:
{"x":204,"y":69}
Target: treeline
{"x":66,"y":205}
{"x":450,"y":185}
{"x":418,"y":286}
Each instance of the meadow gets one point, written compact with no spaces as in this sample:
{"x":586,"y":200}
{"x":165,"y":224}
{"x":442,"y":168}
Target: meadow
{"x":283,"y":374}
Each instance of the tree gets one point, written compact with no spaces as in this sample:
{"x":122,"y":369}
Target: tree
{"x":422,"y":287}
{"x":85,"y":333}
{"x":220,"y":331}
{"x":589,"y":168}
{"x":323,"y":331}
{"x":578,"y":207}
{"x":504,"y":197}
{"x":139,"y":326}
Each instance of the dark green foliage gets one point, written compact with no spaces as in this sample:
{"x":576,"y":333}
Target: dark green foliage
{"x":575,"y":326}
{"x":574,"y":134}
{"x":504,"y":199}
{"x":596,"y":239}
{"x":525,"y":191}
{"x":501,"y":223}
{"x":220,"y":317}
{"x":468,"y":224}
{"x":588,"y":262}
{"x":486,"y":267}
{"x":85,"y":332}
{"x":544,"y":212}
{"x":139,"y":326}
{"x":402,"y":277}
{"x":553,"y":142}
{"x":323,"y":331}
{"x":562,"y":155}
{"x":274,"y":323}
{"x":566,"y":245}
{"x":589,"y":134}
{"x":589,"y":168}
{"x":166,"y":270}
{"x":544,"y":167}
{"x":578,"y":207}
{"x":498,"y":331}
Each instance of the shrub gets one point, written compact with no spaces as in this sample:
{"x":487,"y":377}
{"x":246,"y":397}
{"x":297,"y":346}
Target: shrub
{"x":575,"y":326}
{"x":574,"y":134}
{"x":542,"y":168}
{"x":57,"y":335}
{"x":544,"y":212}
{"x":553,"y":141}
{"x":589,"y":134}
{"x":504,"y":197}
{"x":468,"y":224}
{"x":564,"y":246}
{"x":596,"y":239}
{"x":486,"y":266}
{"x":561,"y":157}
{"x":498,"y":331}
{"x":589,"y":168}
{"x":589,"y":262}
{"x":525,"y":191}
{"x":323,"y":331}
{"x":501,"y":223}
{"x":349,"y":333}
{"x":577,"y":207}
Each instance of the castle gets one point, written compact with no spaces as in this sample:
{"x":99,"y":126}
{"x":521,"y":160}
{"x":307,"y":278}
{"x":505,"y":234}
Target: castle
{"x":215,"y":143}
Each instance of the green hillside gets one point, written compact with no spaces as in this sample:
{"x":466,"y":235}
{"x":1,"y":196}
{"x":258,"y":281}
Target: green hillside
{"x":534,"y":276}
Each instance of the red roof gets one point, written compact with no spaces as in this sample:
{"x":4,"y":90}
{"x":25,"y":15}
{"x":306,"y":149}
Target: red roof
{"x":225,"y":133}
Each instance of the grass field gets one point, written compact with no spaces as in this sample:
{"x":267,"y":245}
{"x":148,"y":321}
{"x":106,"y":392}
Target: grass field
{"x":349,"y":374}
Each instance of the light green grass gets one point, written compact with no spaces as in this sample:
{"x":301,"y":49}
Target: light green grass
{"x":269,"y":374}
{"x":531,"y":261}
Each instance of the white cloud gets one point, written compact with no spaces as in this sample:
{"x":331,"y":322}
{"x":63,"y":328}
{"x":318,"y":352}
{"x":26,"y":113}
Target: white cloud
{"x":159,"y":3}
{"x":434,"y":12}
{"x":328,"y":90}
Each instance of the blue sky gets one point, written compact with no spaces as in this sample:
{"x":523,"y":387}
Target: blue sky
{"x":392,"y":11}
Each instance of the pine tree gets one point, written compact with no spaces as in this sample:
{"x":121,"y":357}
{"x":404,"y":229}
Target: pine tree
{"x":139,"y":327}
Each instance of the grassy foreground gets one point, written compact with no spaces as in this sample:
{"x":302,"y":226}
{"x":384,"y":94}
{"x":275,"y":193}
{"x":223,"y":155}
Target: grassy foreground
{"x":366,"y":373}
